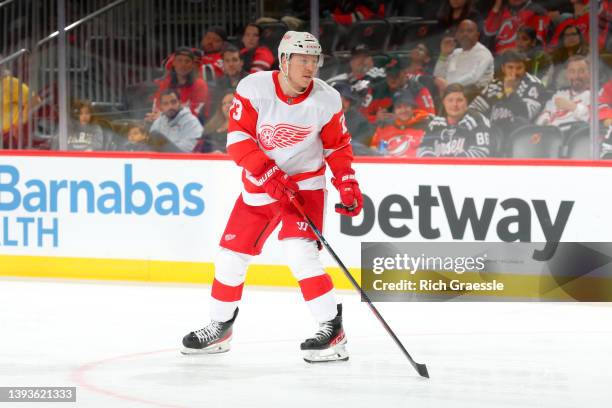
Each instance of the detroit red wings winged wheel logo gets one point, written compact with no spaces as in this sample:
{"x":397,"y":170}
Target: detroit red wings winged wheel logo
{"x":281,"y":135}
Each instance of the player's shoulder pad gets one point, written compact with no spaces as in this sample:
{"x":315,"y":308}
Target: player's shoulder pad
{"x":328,"y":93}
{"x":250,"y":86}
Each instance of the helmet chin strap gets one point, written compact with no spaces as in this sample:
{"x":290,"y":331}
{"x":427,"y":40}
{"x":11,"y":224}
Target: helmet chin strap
{"x":286,"y":77}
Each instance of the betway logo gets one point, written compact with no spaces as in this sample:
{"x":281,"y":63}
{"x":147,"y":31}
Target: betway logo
{"x":514,"y":226}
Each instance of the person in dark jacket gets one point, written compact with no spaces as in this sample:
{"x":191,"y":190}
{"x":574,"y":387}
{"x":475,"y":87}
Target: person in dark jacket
{"x":458,"y":132}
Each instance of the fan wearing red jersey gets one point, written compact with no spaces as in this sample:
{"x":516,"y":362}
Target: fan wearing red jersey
{"x":285,"y":127}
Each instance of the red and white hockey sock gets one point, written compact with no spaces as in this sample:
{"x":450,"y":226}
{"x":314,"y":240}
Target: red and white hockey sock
{"x":318,"y":292}
{"x":230,"y":272}
{"x":316,"y":285}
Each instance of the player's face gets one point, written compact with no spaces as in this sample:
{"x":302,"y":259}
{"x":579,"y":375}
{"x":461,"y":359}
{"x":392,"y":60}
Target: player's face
{"x":302,"y":69}
{"x":403,"y":111}
{"x":578,"y":75}
{"x":232,"y":64}
{"x":250,"y":38}
{"x":455,"y":105}
{"x":170,"y":105}
{"x":226,"y":104}
{"x":513,"y":70}
{"x":183,"y":65}
{"x":84,"y":116}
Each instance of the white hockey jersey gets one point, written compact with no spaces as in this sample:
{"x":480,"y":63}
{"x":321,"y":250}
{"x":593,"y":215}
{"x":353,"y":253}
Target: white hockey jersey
{"x":554,"y":116}
{"x":298,"y":133}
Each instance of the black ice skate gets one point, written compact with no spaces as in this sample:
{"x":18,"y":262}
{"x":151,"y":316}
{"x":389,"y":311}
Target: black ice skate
{"x":328,"y":344}
{"x":212,"y":339}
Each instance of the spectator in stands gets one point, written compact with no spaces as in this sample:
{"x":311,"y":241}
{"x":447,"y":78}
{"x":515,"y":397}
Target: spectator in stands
{"x":137,"y":139}
{"x":83,"y":134}
{"x":214,"y":139}
{"x":256,"y":57}
{"x":184,"y":78}
{"x":573,"y":104}
{"x":507,"y":16}
{"x":380,"y":107}
{"x":606,"y":145}
{"x":362,"y":68}
{"x":177,"y":127}
{"x":580,"y":20}
{"x":514,"y":99}
{"x":233,"y":72}
{"x":17,"y":103}
{"x":605,"y":104}
{"x":403,"y":135}
{"x":453,"y":12}
{"x":605,"y":116}
{"x":539,"y":62}
{"x":470,"y":65}
{"x":212,"y":43}
{"x":419,"y":70}
{"x":358,"y":126}
{"x":347,"y":12}
{"x":572,"y":43}
{"x":419,"y":59}
{"x":459,"y":132}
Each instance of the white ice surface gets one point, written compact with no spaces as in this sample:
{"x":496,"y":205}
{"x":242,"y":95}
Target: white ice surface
{"x":119,"y":345}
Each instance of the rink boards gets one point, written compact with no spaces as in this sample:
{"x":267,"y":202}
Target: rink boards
{"x":159,"y":218}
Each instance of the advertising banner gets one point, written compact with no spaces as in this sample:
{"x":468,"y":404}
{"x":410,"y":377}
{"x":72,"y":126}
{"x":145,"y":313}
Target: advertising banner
{"x":146,"y":209}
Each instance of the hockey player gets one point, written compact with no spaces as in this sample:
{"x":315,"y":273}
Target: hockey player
{"x":284,"y":128}
{"x":460,"y":133}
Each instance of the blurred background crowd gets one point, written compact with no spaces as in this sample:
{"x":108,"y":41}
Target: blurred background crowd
{"x":419,"y":78}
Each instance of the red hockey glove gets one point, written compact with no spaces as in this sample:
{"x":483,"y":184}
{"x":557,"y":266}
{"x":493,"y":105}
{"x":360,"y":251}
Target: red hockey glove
{"x":351,"y":200}
{"x":277,"y":183}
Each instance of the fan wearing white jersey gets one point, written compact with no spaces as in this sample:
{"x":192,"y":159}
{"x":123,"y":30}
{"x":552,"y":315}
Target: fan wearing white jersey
{"x":284,"y":128}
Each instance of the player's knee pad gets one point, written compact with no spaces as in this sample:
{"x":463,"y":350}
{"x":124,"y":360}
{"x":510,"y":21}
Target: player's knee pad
{"x":303,"y":257}
{"x":231,"y":267}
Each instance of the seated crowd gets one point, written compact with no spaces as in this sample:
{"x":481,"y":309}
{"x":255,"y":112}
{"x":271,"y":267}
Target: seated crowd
{"x":520,"y":63}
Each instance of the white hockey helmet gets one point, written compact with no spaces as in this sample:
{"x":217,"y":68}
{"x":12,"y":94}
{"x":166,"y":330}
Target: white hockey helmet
{"x":299,"y":42}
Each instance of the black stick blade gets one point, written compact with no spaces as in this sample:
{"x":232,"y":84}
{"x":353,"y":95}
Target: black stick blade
{"x":422,"y":370}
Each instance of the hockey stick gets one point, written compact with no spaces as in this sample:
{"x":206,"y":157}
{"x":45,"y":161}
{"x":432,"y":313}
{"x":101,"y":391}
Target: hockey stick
{"x":420,"y":368}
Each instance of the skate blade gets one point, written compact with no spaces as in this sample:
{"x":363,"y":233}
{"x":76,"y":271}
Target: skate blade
{"x":335,"y":353}
{"x":223,"y":347}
